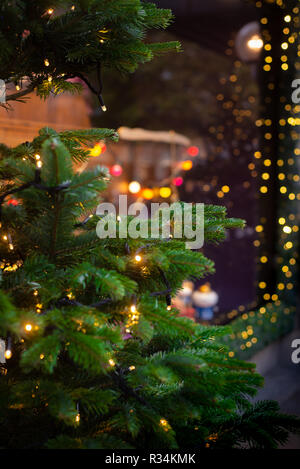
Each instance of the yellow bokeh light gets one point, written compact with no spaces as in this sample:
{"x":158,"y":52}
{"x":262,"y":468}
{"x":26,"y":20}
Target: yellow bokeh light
{"x":147,"y":194}
{"x":96,"y":150}
{"x":165,"y":192}
{"x":187,"y":165}
{"x":8,"y":354}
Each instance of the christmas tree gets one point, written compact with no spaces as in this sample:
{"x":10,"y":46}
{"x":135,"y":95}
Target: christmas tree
{"x":95,"y":357}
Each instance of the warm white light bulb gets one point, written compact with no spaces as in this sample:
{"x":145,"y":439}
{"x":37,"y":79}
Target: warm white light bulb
{"x":134,"y":187}
{"x":8,"y":354}
{"x":255,"y":42}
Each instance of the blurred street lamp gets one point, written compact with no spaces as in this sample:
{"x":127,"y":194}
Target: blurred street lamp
{"x":248,"y":43}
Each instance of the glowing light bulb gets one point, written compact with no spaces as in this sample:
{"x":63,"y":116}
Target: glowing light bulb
{"x":96,"y":150}
{"x":8,"y":354}
{"x":39,"y":164}
{"x":28,"y":327}
{"x":164,"y":423}
{"x":77,"y":418}
{"x":46,"y":62}
{"x":133,"y":308}
{"x":111,"y":362}
{"x":134,"y":187}
{"x":50,"y":11}
{"x":104,"y":108}
{"x":138,"y":258}
{"x":255,"y":42}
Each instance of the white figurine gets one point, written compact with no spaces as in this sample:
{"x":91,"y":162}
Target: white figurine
{"x":204,"y":300}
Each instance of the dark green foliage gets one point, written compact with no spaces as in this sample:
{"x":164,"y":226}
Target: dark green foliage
{"x":42,"y":50}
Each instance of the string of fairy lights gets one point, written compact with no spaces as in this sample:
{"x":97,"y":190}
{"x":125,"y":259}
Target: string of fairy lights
{"x":279,"y":172}
{"x":275,"y":164}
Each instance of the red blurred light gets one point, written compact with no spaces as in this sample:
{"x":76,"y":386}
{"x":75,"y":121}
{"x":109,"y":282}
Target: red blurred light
{"x":116,"y":170}
{"x":193,"y":151}
{"x":177,"y":181}
{"x":13,"y":202}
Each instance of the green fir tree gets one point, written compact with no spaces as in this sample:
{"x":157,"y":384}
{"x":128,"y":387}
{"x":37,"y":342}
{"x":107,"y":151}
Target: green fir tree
{"x":95,"y":357}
